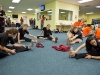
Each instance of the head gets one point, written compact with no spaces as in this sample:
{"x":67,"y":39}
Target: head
{"x":79,"y":20}
{"x":12,"y":32}
{"x":75,"y":29}
{"x":88,"y":25}
{"x":48,"y":26}
{"x":0,"y":7}
{"x":25,"y":26}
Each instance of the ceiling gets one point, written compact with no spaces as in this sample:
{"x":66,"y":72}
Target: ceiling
{"x":25,"y":4}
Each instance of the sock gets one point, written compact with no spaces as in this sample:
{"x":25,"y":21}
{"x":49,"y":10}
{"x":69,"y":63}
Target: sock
{"x":31,"y":46}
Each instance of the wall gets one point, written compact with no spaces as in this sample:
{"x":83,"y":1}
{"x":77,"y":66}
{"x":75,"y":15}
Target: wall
{"x":48,"y":6}
{"x":89,"y":17}
{"x":66,"y":6}
{"x":21,"y":15}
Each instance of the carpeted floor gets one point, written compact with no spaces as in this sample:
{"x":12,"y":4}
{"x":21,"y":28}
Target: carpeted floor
{"x":47,"y":61}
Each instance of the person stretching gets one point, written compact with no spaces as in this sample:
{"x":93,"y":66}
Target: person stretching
{"x":47,"y":34}
{"x":21,"y":32}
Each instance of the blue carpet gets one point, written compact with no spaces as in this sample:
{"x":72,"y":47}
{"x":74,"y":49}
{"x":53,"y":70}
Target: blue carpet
{"x":47,"y":61}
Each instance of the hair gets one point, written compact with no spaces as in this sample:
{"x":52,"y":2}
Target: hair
{"x":25,"y":25}
{"x":88,"y":45}
{"x":48,"y":24}
{"x":89,"y":25}
{"x":75,"y":28}
{"x":12,"y":31}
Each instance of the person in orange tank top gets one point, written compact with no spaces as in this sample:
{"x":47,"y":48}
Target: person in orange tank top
{"x":77,"y":23}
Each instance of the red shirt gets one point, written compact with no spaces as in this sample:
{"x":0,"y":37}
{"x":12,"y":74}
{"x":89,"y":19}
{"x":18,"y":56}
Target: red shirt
{"x":42,"y":20}
{"x":21,"y":20}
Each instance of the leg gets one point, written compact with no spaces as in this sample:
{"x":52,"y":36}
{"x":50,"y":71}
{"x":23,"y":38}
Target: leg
{"x":75,"y":41}
{"x":42,"y":37}
{"x":53,"y":39}
{"x":29,"y":40}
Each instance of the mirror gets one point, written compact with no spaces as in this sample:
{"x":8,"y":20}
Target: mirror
{"x":65,"y":15}
{"x":47,"y":14}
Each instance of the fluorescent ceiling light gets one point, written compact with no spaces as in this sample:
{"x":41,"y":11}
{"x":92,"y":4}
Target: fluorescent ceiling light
{"x":84,"y":1}
{"x":29,"y":9}
{"x":23,"y":12}
{"x":97,"y":6}
{"x":11,"y":7}
{"x":15,"y":1}
{"x":9,"y":11}
{"x":90,"y":13}
{"x":62,"y":12}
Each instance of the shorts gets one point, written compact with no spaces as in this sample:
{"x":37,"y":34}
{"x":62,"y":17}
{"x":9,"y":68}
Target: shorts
{"x":24,"y":38}
{"x":50,"y":38}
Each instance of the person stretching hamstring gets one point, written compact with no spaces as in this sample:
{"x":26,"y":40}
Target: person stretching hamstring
{"x":47,"y":34}
{"x":21,"y":32}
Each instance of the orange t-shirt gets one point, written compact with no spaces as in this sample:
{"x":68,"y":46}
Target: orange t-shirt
{"x":77,"y":23}
{"x":86,"y":31}
{"x":97,"y":34}
{"x":82,"y":23}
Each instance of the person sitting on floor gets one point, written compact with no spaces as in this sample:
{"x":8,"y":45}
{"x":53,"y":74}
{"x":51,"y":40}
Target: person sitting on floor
{"x":87,"y":31}
{"x":97,"y":33}
{"x":92,"y":45}
{"x":76,"y":36}
{"x":6,"y":38}
{"x":47,"y":34}
{"x":21,"y":32}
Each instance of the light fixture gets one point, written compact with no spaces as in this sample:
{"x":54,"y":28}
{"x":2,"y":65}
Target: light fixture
{"x":15,"y":1}
{"x":90,"y":13}
{"x":23,"y":12}
{"x":84,"y":1}
{"x":29,"y":9}
{"x":97,"y":6}
{"x":62,"y":12}
{"x":49,"y":11}
{"x":9,"y":11}
{"x":11,"y":7}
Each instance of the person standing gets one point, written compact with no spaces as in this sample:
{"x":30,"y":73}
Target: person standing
{"x":21,"y":21}
{"x":2,"y":19}
{"x":42,"y":22}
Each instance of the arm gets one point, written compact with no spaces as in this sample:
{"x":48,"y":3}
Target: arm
{"x":18,"y":37}
{"x":32,"y":36}
{"x":73,"y":53}
{"x":3,"y":15}
{"x":74,"y":37}
{"x":41,"y":32}
{"x":6,"y":49}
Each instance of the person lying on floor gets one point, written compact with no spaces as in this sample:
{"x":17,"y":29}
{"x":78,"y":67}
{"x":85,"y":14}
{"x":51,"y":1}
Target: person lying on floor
{"x":92,"y":45}
{"x":20,"y":36}
{"x":75,"y":37}
{"x":6,"y":38}
{"x":47,"y":34}
{"x":87,"y":31}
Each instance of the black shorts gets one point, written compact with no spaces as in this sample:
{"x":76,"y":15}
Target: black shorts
{"x":24,"y":38}
{"x":50,"y":38}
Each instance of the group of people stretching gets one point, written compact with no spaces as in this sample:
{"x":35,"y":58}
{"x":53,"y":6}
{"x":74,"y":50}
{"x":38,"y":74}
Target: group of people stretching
{"x":92,"y":44}
{"x":15,"y":37}
{"x":75,"y":35}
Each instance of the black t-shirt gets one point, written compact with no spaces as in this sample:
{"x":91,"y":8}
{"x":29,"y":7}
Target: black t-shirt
{"x":22,"y":32}
{"x":1,"y":14}
{"x":47,"y":33}
{"x":5,"y":39}
{"x":77,"y":33}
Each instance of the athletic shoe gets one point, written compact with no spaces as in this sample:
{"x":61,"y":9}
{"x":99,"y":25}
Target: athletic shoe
{"x":31,"y":46}
{"x":56,"y":39}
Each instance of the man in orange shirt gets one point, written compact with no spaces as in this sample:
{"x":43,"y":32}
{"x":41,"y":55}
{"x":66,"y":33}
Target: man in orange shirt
{"x":97,"y":33}
{"x":87,"y":31}
{"x":77,"y":23}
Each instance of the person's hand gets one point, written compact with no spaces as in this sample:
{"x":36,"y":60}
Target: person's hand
{"x":88,"y":56}
{"x":70,"y":39}
{"x":72,"y":53}
{"x":13,"y":51}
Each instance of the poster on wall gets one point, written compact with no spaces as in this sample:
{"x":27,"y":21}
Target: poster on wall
{"x":25,"y":19}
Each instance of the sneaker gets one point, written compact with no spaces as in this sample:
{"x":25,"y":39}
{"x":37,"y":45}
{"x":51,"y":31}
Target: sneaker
{"x":56,"y":39}
{"x":31,"y":46}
